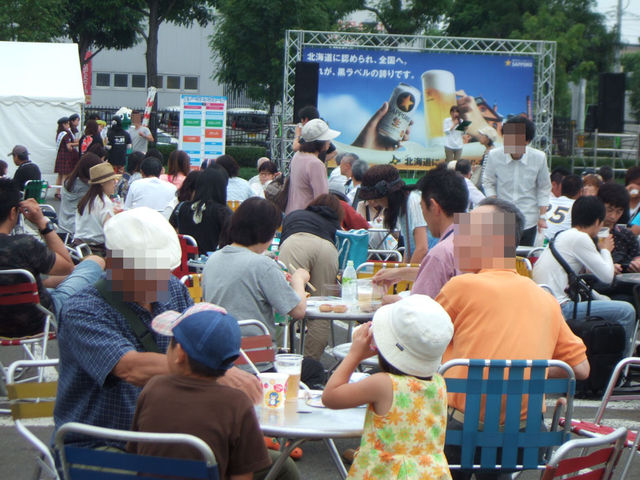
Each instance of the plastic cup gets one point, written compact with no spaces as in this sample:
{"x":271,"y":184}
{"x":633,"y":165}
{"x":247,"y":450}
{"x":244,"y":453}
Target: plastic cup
{"x":603,"y":234}
{"x":290,"y":364}
{"x":274,"y":389}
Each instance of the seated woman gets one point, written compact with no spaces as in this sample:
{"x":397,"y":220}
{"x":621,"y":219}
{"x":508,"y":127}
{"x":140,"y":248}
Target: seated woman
{"x":178,"y":167}
{"x":308,"y":241}
{"x":205,"y":215}
{"x":131,"y":174}
{"x":95,"y":208}
{"x":238,"y":188}
{"x":383,"y":188}
{"x":74,"y":188}
{"x":247,"y":283}
{"x":267,"y":171}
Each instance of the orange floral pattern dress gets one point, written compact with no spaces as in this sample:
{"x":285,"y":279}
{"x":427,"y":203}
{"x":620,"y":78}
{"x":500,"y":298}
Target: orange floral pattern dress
{"x":407,"y":442}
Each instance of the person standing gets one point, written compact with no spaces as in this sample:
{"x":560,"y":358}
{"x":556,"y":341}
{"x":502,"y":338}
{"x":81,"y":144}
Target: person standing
{"x":66,"y":157}
{"x":518,"y":173}
{"x":140,"y":135}
{"x":308,"y":178}
{"x":91,"y":137}
{"x":453,"y":136}
{"x":118,"y":142}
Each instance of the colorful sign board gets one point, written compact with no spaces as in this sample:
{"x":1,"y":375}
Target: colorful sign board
{"x":391,"y":105}
{"x":202,"y":127}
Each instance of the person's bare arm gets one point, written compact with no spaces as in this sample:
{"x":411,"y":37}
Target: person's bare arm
{"x":31,"y":211}
{"x":421,"y":245}
{"x":138,"y":367}
{"x":244,"y":381}
{"x":298,"y":280}
{"x":581,"y":371}
{"x":296,"y":139}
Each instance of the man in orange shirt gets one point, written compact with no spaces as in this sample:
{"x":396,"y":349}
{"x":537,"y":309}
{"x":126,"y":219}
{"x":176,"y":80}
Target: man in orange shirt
{"x":496,"y":313}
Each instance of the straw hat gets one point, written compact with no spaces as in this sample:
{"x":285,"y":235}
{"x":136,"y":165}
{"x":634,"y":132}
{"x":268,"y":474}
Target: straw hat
{"x":101,"y":173}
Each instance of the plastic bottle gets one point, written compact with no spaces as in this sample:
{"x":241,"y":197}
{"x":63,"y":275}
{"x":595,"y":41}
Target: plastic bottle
{"x":349,"y":284}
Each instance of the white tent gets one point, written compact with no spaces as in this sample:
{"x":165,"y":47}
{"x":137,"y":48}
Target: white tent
{"x":40,"y":83}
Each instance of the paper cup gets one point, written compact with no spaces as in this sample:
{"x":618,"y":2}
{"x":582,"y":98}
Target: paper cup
{"x":274,"y":390}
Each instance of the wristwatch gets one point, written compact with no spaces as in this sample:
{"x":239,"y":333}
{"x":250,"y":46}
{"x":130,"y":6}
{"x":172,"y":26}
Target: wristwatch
{"x":49,"y":228}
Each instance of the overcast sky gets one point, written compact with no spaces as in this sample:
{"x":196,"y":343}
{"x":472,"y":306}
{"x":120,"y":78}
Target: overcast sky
{"x":630,"y":17}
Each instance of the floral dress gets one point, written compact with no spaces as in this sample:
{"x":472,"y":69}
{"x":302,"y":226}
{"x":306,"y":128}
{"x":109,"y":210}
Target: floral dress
{"x":407,"y":442}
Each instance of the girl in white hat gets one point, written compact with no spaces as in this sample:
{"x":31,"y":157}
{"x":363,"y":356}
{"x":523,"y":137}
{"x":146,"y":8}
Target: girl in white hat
{"x":405,"y":423}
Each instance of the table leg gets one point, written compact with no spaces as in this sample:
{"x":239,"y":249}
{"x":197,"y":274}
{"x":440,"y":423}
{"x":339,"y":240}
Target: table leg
{"x":285,"y":451}
{"x":335,"y":456}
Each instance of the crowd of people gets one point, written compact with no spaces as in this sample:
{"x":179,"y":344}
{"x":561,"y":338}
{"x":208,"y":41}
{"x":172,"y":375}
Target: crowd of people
{"x":134,"y":349}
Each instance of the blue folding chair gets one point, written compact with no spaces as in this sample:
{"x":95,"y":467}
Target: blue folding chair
{"x":494,"y":438}
{"x":84,"y":463}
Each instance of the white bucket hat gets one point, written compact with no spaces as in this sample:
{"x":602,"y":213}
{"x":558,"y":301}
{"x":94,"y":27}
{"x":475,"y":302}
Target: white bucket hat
{"x":317,"y":129}
{"x":144,"y":239}
{"x":412,"y":334}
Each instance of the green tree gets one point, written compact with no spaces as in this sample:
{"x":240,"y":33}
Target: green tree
{"x":407,"y":18}
{"x":113,"y":24}
{"x":32,"y":20}
{"x":248,"y":41}
{"x":488,"y":18}
{"x":631,"y":64}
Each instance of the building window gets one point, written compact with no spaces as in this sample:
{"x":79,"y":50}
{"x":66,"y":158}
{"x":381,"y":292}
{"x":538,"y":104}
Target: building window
{"x":120,"y":80}
{"x":103,"y":79}
{"x":191,"y":83}
{"x":138,"y":81}
{"x":160,"y":81}
{"x":173,"y":82}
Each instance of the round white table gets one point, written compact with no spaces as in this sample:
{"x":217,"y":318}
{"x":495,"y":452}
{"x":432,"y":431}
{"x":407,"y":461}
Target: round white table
{"x":300,"y":422}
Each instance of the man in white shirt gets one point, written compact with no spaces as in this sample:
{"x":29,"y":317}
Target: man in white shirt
{"x":140,"y":136}
{"x":340,"y":177}
{"x":463,"y":167}
{"x":559,"y":213}
{"x":519,"y":174}
{"x":358,"y":168}
{"x":150,"y":191}
{"x":578,"y":249}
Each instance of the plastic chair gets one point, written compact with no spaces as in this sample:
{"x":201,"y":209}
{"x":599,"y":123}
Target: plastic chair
{"x":384,"y":255}
{"x":597,"y":429}
{"x":369,"y":269}
{"x":597,"y":465}
{"x":81,"y":463}
{"x":233,"y":204}
{"x":190,"y":250}
{"x":193,"y":282}
{"x":523,"y":267}
{"x":24,"y":291}
{"x":493,"y":432}
{"x":36,"y":189}
{"x":33,"y":400}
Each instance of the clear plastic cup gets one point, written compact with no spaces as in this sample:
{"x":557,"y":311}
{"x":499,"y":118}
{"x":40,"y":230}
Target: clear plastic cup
{"x":290,"y":364}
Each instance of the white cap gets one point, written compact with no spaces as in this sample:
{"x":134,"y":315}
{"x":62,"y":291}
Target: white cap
{"x":144,"y":239}
{"x":412,"y":334}
{"x":317,"y":129}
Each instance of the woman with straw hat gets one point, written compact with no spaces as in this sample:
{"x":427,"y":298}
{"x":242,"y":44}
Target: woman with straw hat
{"x":95,"y":208}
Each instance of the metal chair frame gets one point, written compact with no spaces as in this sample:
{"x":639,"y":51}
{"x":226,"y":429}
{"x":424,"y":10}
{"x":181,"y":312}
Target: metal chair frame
{"x":80,"y":463}
{"x":497,"y":389}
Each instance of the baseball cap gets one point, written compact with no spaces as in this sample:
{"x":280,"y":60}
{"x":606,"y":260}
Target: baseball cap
{"x":412,"y":334}
{"x":206,"y":332}
{"x":18,"y":150}
{"x":317,"y":129}
{"x":144,"y":239}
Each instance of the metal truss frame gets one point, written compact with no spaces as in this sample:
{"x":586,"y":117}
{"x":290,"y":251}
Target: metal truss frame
{"x":543,"y":52}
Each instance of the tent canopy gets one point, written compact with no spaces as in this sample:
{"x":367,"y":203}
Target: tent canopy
{"x":42,"y":83}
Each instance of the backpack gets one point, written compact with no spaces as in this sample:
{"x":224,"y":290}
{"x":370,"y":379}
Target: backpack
{"x":278,"y":191}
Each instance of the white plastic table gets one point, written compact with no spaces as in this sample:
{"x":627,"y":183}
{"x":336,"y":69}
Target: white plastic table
{"x":301,"y":422}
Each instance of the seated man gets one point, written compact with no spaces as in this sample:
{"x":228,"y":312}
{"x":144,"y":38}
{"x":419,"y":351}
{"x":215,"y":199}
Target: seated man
{"x":150,"y":191}
{"x":205,"y":341}
{"x":27,"y":170}
{"x":559,"y":213}
{"x":444,"y":194}
{"x":48,"y":258}
{"x":496,"y":313}
{"x":579,"y":250}
{"x":107,"y":350}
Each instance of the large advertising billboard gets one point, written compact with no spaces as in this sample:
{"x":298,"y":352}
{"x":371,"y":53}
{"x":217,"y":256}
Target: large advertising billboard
{"x":390,"y":106}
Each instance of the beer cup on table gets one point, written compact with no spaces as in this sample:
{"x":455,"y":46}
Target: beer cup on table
{"x":290,"y":364}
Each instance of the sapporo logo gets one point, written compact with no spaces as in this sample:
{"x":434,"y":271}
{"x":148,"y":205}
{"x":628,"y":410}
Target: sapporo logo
{"x":405,"y":102}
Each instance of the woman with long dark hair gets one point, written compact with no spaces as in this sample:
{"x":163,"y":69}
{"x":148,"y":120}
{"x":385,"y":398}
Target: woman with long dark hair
{"x":66,"y":157}
{"x":383,"y":188}
{"x":178,"y":167}
{"x":74,"y":188}
{"x":90,"y":137}
{"x":95,"y":208}
{"x":205,"y":216}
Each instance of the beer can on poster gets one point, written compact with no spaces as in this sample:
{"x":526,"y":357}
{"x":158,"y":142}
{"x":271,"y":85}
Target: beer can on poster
{"x":402,"y":105}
